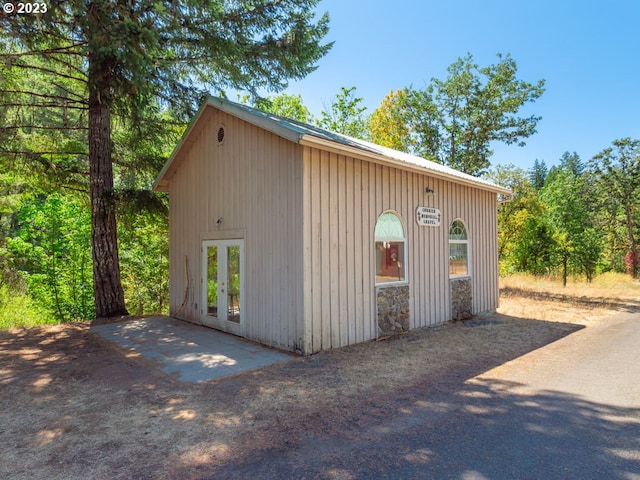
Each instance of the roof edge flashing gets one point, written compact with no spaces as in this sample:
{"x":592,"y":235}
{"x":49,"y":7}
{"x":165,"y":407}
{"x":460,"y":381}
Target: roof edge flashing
{"x":309,"y":135}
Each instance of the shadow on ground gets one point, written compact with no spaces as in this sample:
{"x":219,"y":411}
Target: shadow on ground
{"x":389,"y":409}
{"x":482,"y":430}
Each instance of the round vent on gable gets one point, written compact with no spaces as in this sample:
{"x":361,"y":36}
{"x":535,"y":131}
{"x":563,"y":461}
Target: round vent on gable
{"x":221,"y":135}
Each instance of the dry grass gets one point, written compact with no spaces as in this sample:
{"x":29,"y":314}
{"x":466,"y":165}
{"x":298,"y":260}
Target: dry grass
{"x":608,"y":285}
{"x":525,"y":296}
{"x":81,"y":408}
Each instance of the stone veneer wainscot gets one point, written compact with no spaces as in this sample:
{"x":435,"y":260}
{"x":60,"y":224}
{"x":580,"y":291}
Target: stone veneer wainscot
{"x":461,"y":300}
{"x":393,"y":310}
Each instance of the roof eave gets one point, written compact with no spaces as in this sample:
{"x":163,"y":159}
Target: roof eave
{"x":273,"y":125}
{"x":265,"y":123}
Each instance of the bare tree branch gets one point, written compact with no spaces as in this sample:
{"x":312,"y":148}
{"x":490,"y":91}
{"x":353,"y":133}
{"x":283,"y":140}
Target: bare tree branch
{"x":67,"y":64}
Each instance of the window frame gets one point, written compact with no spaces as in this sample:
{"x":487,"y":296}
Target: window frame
{"x":465,"y":242}
{"x":390,"y":240}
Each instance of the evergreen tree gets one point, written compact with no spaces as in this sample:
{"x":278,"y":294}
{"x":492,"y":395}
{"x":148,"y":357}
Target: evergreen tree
{"x":538,"y":174}
{"x":572,"y":163}
{"x":131,"y":56}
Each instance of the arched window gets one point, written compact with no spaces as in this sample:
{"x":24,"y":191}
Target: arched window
{"x":458,"y":249}
{"x":390,"y":249}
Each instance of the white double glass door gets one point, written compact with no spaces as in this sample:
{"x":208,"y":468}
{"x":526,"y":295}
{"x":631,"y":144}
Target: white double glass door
{"x":223,"y":285}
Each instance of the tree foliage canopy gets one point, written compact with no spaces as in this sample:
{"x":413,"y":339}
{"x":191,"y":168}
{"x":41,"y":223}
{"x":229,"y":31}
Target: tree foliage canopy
{"x":617,"y":173}
{"x":571,"y":215}
{"x":583,"y":219}
{"x":133,"y":60}
{"x":538,"y":174}
{"x":389,"y":125}
{"x":150,"y":49}
{"x":289,"y":106}
{"x":345,"y":114}
{"x":454,"y":121}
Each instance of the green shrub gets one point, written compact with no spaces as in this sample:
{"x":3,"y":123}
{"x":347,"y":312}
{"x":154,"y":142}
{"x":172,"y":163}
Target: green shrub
{"x":17,"y":309}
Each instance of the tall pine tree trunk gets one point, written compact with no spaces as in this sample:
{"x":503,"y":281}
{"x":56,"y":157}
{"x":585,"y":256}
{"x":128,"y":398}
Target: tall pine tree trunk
{"x":107,"y":287}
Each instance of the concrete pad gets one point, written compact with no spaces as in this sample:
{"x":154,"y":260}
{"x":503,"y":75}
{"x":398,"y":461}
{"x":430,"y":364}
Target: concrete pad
{"x":191,"y":353}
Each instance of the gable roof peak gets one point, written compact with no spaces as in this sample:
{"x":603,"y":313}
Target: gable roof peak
{"x":306,"y":134}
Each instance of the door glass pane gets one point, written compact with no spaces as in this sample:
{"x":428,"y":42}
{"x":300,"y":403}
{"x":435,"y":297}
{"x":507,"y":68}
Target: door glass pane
{"x":212,"y":281}
{"x":233,"y":282}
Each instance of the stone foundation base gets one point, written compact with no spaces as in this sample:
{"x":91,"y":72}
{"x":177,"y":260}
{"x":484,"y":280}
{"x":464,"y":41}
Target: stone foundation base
{"x":461,"y":301}
{"x":393,"y":310}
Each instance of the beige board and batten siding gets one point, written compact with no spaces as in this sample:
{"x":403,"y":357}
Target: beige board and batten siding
{"x":305,"y":202}
{"x":252,"y":181}
{"x":343,"y":197}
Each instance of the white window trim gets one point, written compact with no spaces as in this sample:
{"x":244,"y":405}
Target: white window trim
{"x":405,"y":251}
{"x":466,"y":242}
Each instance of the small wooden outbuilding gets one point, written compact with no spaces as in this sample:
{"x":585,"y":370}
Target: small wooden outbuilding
{"x":306,"y":240}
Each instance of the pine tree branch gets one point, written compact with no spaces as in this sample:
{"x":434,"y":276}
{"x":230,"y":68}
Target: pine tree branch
{"x":42,"y":95}
{"x":73,"y":189}
{"x":53,"y":72}
{"x":44,"y":105}
{"x":31,"y":153}
{"x":50,"y":51}
{"x":41,"y":127}
{"x":51,"y":57}
{"x":35,"y":94}
{"x":81,"y":99}
{"x":67,"y":64}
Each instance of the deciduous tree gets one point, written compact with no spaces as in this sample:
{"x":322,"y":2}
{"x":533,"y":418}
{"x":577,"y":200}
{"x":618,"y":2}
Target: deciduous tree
{"x":617,"y":172}
{"x":389,"y":123}
{"x":456,"y":119}
{"x":289,"y":106}
{"x":572,"y":217}
{"x":525,"y":242}
{"x":345,"y":114}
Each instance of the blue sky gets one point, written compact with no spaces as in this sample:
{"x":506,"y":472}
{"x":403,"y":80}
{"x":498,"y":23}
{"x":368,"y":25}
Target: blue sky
{"x":587,"y":51}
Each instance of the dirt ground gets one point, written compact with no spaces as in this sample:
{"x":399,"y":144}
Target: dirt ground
{"x":72,"y":405}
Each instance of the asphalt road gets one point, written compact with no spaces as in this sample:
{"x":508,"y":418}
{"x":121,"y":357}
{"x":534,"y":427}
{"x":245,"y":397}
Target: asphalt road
{"x":570,"y":410}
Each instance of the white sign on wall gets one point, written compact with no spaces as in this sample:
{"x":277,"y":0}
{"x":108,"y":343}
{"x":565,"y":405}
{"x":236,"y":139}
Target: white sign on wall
{"x":428,"y":217}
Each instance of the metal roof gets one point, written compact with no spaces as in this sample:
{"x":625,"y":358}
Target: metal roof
{"x":306,"y":134}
